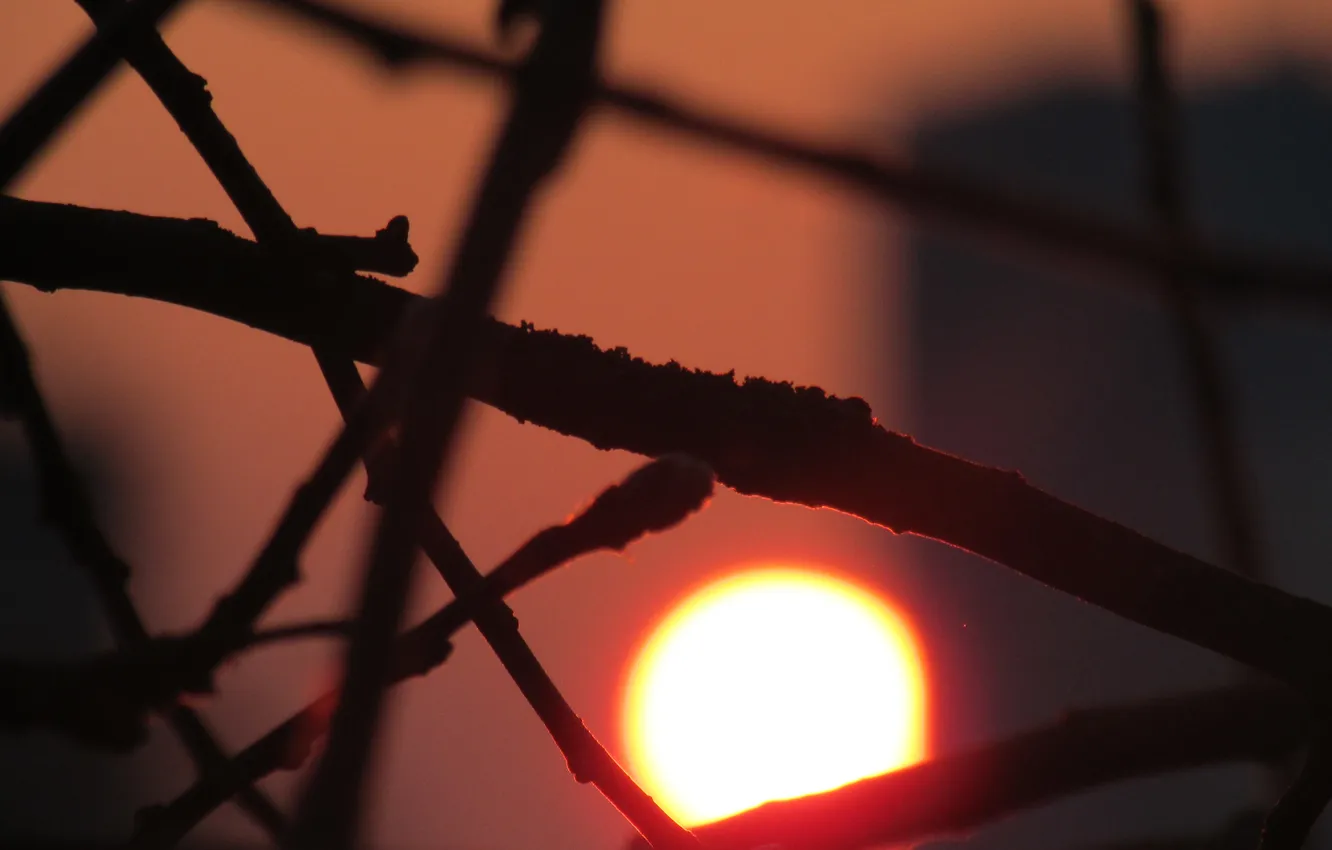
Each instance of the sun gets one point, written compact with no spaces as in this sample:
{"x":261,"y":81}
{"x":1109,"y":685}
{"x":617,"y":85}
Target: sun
{"x":771,"y":683}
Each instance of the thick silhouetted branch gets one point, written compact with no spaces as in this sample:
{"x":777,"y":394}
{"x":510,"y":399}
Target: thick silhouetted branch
{"x":1088,"y":748}
{"x":132,"y":244}
{"x":975,"y":207}
{"x":296,"y":252}
{"x":66,"y":507}
{"x":653,"y":498}
{"x":185,"y":97}
{"x":549,"y":99}
{"x":762,"y":438}
{"x":772,"y":439}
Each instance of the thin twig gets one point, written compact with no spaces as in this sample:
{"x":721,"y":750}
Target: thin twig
{"x":549,"y":100}
{"x":35,"y":122}
{"x":104,"y":702}
{"x":276,"y":567}
{"x":447,"y":357}
{"x":398,"y":47}
{"x":299,"y":253}
{"x":316,"y":259}
{"x":762,"y":438}
{"x":958,"y":793}
{"x":185,"y":97}
{"x":975,"y":207}
{"x":65,"y":505}
{"x":656,"y":496}
{"x":1228,"y":485}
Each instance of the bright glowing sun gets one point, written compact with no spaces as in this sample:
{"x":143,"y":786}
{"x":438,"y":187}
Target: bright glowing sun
{"x":771,"y":683}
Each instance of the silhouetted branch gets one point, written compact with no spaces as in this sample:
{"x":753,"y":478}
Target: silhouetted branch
{"x":32,"y":125}
{"x":986,"y":210}
{"x":1087,"y":748}
{"x":1228,"y":486}
{"x":134,"y":245}
{"x":65,"y":505}
{"x":104,"y":702}
{"x":550,"y":96}
{"x":762,"y":438}
{"x":64,"y":502}
{"x":387,"y":252}
{"x":300,"y":253}
{"x":1288,"y":824}
{"x":653,"y":498}
{"x":276,"y":567}
{"x":775,"y":440}
{"x":185,"y":97}
{"x":398,"y":47}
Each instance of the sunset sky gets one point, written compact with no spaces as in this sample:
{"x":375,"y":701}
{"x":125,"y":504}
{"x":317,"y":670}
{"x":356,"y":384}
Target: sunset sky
{"x":647,"y":241}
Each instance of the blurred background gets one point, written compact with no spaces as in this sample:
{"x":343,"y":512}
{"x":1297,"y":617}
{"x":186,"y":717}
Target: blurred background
{"x":195,"y":430}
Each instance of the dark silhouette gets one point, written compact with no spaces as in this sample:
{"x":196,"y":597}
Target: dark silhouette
{"x":51,"y":786}
{"x":1078,"y":381}
{"x":1065,"y":371}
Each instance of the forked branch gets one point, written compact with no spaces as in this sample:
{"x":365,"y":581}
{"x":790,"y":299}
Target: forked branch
{"x":655,"y":497}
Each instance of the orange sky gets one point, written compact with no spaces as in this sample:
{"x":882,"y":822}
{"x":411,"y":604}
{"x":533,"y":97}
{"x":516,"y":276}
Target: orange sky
{"x":669,"y":249}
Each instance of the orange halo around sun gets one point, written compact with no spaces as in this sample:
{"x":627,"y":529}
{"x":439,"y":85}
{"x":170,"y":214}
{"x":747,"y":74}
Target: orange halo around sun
{"x":772,"y":683}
